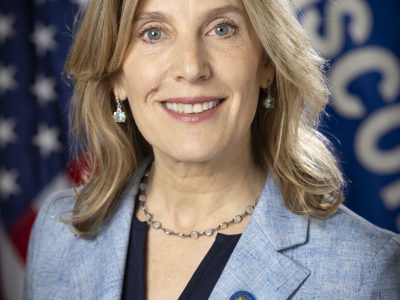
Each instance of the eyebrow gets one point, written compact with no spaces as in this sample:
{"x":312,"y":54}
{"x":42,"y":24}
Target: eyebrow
{"x":160,"y":16}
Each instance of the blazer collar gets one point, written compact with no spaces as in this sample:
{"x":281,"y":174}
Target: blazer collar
{"x":257,"y":263}
{"x":283,"y":228}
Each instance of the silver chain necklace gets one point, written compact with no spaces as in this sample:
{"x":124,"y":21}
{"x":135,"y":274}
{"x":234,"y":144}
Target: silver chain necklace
{"x":193,"y":234}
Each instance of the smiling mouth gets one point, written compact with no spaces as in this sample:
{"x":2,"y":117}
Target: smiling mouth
{"x":195,"y":108}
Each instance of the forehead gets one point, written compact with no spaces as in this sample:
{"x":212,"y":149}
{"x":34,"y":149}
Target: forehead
{"x":188,"y":8}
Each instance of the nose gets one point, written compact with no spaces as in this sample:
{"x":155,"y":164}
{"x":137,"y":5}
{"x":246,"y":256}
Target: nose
{"x":190,"y":61}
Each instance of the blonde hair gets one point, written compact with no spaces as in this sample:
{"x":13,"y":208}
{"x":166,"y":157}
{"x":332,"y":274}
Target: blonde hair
{"x":285,"y":139}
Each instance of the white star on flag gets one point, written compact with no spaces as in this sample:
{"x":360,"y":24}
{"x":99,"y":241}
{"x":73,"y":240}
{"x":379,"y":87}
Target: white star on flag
{"x":44,"y":89}
{"x":7,"y":81}
{"x":8,"y":183}
{"x":7,"y":134}
{"x":47,"y":140}
{"x":44,"y":38}
{"x":6,"y":29}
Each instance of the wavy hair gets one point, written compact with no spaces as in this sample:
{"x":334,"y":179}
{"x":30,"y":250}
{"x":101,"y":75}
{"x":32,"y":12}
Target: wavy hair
{"x":285,"y":140}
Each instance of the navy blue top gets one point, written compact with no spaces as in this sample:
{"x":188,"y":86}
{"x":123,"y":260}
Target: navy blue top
{"x":202,"y":281}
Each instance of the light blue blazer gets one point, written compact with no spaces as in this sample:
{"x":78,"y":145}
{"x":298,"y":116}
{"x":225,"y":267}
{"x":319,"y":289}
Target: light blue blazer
{"x":280,"y":255}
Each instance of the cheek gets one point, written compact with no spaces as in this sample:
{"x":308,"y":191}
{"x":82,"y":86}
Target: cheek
{"x":140,"y":80}
{"x":239,"y":67}
{"x":246,"y":83}
{"x":141,"y":77}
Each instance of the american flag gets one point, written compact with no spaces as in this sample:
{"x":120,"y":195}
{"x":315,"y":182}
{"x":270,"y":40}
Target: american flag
{"x":35,"y":36}
{"x":34,"y":94}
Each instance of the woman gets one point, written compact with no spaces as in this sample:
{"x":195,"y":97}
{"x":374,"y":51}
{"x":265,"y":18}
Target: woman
{"x":207,"y":177}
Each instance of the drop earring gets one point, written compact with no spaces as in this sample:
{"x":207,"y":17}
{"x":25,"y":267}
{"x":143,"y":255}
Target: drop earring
{"x":269,"y":100}
{"x":119,"y":115}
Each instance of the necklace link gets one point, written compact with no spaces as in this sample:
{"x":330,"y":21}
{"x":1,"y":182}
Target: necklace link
{"x":194,"y":234}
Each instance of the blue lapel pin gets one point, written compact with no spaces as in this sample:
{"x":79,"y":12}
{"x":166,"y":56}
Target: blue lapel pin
{"x":242,"y":295}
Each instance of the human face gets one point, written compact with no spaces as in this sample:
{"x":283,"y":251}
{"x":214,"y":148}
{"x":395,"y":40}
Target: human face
{"x":184,"y":54}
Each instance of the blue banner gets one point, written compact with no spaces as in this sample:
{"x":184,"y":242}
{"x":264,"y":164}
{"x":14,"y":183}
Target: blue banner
{"x":361,"y":39}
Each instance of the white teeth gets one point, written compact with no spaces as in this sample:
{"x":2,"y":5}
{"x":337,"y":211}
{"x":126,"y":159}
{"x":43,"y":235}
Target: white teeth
{"x":197,"y":108}
{"x":191,"y":108}
{"x":180,"y":108}
{"x":187,"y":108}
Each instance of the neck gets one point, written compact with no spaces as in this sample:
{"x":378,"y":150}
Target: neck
{"x":188,"y":196}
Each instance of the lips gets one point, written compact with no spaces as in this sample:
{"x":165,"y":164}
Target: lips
{"x":192,"y":105}
{"x":187,"y":108}
{"x":192,"y":109}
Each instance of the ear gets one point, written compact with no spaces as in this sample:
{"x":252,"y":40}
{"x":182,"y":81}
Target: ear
{"x":267,"y":75}
{"x":119,"y":89}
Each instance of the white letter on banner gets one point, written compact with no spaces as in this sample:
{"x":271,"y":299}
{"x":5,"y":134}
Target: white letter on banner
{"x":355,"y":64}
{"x":381,"y":122}
{"x":332,"y":44}
{"x":377,"y":161}
{"x":391,"y":195}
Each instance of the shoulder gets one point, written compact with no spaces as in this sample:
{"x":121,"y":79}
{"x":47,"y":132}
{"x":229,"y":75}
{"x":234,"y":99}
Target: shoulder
{"x":352,"y":236}
{"x":61,"y":202}
{"x":347,"y":246}
{"x":50,"y":223}
{"x":352,"y":230}
{"x":56,"y":208}
{"x":349,"y":237}
{"x":53,"y":213}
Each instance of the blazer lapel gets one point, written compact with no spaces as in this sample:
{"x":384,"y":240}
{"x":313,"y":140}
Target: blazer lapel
{"x":257,"y":265}
{"x":99,"y":264}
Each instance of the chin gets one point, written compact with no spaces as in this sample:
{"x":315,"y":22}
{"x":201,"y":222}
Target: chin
{"x":194,"y":154}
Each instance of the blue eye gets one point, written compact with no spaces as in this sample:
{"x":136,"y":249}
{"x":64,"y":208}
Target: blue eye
{"x":222,"y":30}
{"x":153,"y":34}
{"x":225,"y":29}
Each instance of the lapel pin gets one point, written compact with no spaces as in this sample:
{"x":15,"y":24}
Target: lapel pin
{"x":242,"y":295}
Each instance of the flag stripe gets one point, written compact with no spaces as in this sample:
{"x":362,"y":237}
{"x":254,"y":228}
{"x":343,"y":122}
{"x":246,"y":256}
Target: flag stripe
{"x":19,"y":233}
